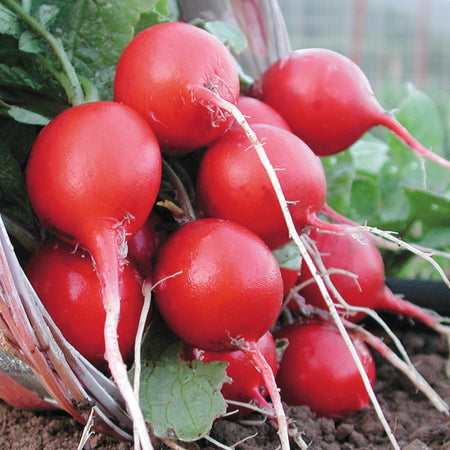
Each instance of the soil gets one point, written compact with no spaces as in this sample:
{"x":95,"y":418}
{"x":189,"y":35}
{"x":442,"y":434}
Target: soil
{"x":417,"y":425}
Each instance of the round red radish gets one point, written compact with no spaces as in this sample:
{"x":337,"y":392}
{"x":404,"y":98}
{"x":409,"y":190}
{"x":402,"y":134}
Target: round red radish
{"x":256,"y":111}
{"x":233,"y":184}
{"x":95,"y":166}
{"x":363,"y":284}
{"x":224,"y":286}
{"x":246,"y":382}
{"x":69,"y":288}
{"x":317,"y":370}
{"x":171,"y":73}
{"x":327,"y":101}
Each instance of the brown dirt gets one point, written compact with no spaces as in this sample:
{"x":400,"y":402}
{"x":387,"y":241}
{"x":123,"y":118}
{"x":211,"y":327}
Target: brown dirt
{"x":414,"y":421}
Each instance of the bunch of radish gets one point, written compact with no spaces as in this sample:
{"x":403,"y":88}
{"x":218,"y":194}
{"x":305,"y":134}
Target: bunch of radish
{"x":93,"y":178}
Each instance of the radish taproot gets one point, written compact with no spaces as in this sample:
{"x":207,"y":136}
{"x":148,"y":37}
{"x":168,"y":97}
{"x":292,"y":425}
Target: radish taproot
{"x":233,"y":184}
{"x":92,"y":176}
{"x":173,"y":74}
{"x":219,"y":288}
{"x":361,"y":278}
{"x":246,"y":384}
{"x":328,"y":102}
{"x":67,"y":284}
{"x":317,"y":370}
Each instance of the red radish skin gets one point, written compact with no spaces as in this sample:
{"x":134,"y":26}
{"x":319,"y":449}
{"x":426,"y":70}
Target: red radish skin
{"x":93,"y":175}
{"x":328,"y":102}
{"x":172,"y":73}
{"x":361,"y":258}
{"x":246,"y":382}
{"x":229,"y":289}
{"x":317,"y":370}
{"x":144,"y":245}
{"x":233,"y":184}
{"x":256,"y":111}
{"x":69,"y":288}
{"x":219,"y":288}
{"x":290,"y":278}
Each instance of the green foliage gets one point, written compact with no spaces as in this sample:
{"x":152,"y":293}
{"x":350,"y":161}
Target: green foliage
{"x":180,"y":399}
{"x":288,"y":256}
{"x":48,"y":52}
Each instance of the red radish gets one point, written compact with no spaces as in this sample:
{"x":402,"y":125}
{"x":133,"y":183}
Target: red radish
{"x":144,"y":245}
{"x":93,"y":176}
{"x":360,"y":258}
{"x":317,"y":370}
{"x":256,"y":111}
{"x":229,"y":288}
{"x":69,"y":288}
{"x":173,"y":74}
{"x":290,"y":278}
{"x":220,"y":288}
{"x":233,"y":184}
{"x":246,"y":383}
{"x":328,"y":102}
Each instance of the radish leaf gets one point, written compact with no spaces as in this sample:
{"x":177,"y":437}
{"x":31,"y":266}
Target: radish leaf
{"x":180,"y":399}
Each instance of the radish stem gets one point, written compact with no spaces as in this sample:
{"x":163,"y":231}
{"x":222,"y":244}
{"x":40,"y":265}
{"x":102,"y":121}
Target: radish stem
{"x":105,"y":252}
{"x":253,"y":352}
{"x":403,"y":134}
{"x":414,"y":376}
{"x":73,"y":88}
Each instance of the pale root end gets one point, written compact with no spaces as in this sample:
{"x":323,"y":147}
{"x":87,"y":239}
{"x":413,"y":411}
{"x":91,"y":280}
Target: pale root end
{"x":254,"y":354}
{"x":105,"y":253}
{"x":403,"y":134}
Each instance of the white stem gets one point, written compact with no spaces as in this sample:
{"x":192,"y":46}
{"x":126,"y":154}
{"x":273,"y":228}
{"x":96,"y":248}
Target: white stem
{"x":119,"y":369}
{"x":146,"y":291}
{"x":414,"y":376}
{"x":413,"y":249}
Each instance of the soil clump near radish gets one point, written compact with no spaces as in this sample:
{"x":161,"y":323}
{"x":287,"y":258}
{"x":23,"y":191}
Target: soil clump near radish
{"x":415,"y":422}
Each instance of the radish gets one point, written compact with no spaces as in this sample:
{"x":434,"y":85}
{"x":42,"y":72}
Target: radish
{"x":363,"y":282}
{"x":246,"y":384}
{"x":93,"y":175}
{"x":175,"y":75}
{"x":290,"y":278}
{"x":317,"y":370}
{"x":69,"y":288}
{"x":233,"y":184}
{"x":328,"y":102}
{"x":144,"y":245}
{"x":256,"y":111}
{"x":219,"y":288}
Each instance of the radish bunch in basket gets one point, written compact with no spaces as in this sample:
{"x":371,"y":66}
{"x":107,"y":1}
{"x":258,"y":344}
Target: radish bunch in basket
{"x":98,"y":176}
